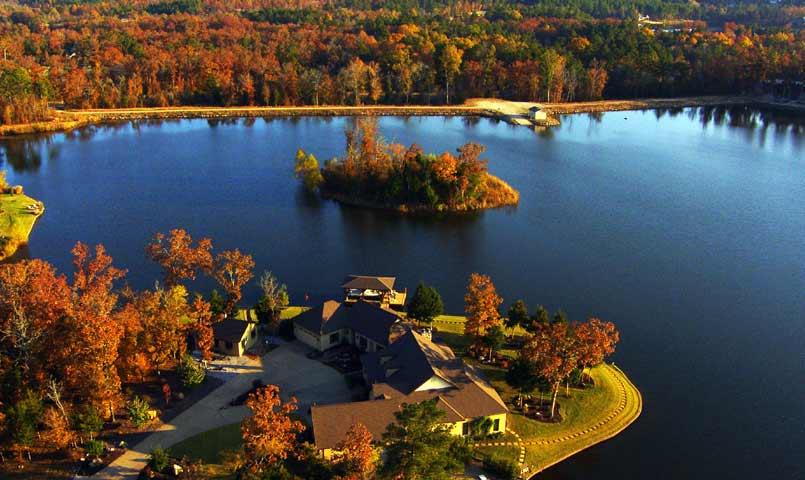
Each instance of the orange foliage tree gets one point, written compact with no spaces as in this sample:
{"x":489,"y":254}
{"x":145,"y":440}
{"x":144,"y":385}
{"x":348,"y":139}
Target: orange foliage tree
{"x":358,"y":457}
{"x":178,"y":257}
{"x":202,"y":312}
{"x":232,"y":271}
{"x":89,"y":347}
{"x":552,"y":349}
{"x":269,"y":434}
{"x":596,"y":340}
{"x":481,"y":305}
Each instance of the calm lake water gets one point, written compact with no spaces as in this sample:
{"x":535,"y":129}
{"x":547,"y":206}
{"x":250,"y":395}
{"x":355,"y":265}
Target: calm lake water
{"x":685,"y":228}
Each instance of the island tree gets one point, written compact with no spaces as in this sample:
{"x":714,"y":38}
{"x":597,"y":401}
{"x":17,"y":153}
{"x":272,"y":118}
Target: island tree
{"x":377,"y":174}
{"x":307,"y":170}
{"x":418,"y":445}
{"x":426,"y":304}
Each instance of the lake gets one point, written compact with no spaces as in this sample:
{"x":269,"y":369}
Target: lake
{"x":686,"y":228}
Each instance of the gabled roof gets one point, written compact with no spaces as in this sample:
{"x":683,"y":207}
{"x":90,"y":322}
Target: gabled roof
{"x":371,"y":321}
{"x":230,"y":329}
{"x":410,"y":362}
{"x":469,"y":397}
{"x":363,"y":282}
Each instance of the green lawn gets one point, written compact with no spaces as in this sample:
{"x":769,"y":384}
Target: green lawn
{"x":16,"y":222}
{"x":581,"y":411}
{"x":290,"y":312}
{"x":208,"y":446}
{"x":584,"y":417}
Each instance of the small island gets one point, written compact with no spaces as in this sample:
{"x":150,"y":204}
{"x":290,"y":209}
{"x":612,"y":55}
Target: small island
{"x":18,"y":213}
{"x":376,"y":174}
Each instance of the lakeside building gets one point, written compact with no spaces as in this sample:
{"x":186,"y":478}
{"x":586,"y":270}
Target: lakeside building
{"x":233,"y":336}
{"x":412,"y":369}
{"x":378,"y":290}
{"x":367,"y":326}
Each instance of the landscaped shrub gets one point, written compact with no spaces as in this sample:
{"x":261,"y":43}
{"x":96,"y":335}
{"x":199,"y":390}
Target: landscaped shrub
{"x":480,"y":428}
{"x":95,"y":448}
{"x":191,"y":372}
{"x":138,"y":411}
{"x":159,"y":459}
{"x":501,"y":467}
{"x":88,"y":422}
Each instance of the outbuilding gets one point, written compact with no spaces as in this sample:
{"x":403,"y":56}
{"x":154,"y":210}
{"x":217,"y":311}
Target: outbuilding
{"x":234,"y":337}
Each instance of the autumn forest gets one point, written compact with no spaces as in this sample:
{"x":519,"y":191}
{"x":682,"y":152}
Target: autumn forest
{"x":104,"y":54}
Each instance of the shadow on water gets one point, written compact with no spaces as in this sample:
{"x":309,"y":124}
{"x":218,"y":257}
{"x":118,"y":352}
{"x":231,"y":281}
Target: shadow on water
{"x":26,"y":154}
{"x":22,"y":253}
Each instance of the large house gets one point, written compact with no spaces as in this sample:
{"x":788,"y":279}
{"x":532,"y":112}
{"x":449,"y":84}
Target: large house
{"x":366,"y":325}
{"x":412,"y":369}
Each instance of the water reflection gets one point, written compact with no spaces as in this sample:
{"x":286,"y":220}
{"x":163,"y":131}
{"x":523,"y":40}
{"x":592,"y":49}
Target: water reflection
{"x":26,"y":155}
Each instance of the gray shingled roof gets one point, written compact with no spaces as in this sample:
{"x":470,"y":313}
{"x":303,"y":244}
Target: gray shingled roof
{"x":229,"y":329}
{"x":470,"y":397}
{"x":364,"y":282}
{"x":362,"y":317}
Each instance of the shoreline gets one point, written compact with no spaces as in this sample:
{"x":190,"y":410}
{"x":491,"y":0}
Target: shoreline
{"x":509,"y":111}
{"x":18,"y":238}
{"x":628,"y":389}
{"x":423,"y":210}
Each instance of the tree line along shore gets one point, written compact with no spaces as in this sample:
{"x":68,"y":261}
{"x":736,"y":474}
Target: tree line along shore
{"x":66,"y":120}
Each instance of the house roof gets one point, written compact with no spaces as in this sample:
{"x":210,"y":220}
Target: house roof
{"x":363,"y":282}
{"x":230,"y":329}
{"x":411,"y":361}
{"x":469,"y":396}
{"x":371,"y":321}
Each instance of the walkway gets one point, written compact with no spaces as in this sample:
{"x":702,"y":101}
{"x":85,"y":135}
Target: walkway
{"x":286,"y":366}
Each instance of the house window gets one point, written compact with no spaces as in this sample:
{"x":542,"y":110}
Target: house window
{"x":465,"y":428}
{"x":334,"y":338}
{"x":496,"y":425}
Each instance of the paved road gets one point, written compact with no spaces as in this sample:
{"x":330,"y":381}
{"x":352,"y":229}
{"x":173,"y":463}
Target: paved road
{"x":286,"y":366}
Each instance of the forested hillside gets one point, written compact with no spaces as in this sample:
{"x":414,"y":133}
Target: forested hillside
{"x":309,"y":52}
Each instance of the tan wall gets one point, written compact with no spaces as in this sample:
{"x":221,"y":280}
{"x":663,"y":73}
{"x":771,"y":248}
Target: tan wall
{"x":457,"y":428}
{"x":306,"y":337}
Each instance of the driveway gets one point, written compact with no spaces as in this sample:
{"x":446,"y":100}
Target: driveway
{"x":286,"y":366}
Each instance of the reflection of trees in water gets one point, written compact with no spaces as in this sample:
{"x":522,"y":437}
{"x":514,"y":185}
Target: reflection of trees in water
{"x":595,"y":117}
{"x":26,"y":154}
{"x":471,"y":120}
{"x":369,"y":232}
{"x":749,"y":118}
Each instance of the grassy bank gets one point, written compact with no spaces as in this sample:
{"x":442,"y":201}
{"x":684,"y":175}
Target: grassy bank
{"x":16,"y":222}
{"x":589,"y":416}
{"x":501,"y":109}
